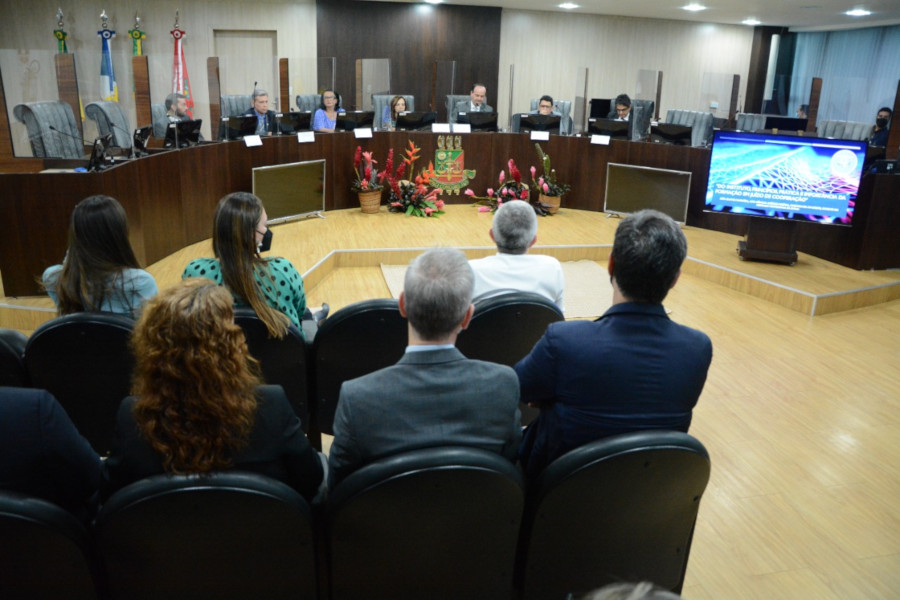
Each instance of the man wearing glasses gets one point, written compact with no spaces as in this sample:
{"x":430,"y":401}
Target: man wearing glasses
{"x":622,"y":111}
{"x":545,"y":106}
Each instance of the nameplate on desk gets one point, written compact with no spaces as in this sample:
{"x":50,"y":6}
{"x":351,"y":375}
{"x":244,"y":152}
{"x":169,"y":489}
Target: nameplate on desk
{"x":362,"y":132}
{"x":462,"y":128}
{"x":440,"y":128}
{"x":540,"y":136}
{"x":252,"y":140}
{"x":602,"y":140}
{"x":305,"y":137}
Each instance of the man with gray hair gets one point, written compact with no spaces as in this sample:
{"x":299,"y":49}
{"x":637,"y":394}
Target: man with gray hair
{"x":514,"y":230}
{"x":265,"y":118}
{"x":434,"y":396}
{"x":631,"y":369}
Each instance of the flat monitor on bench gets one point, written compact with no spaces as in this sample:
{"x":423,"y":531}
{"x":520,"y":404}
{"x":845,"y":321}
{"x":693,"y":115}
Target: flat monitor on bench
{"x":415,"y":120}
{"x":182,"y":134}
{"x":612,"y":127}
{"x":291,"y":191}
{"x":354,"y":119}
{"x":292,"y":122}
{"x":479,"y":121}
{"x":630,"y":188}
{"x":669,"y":133}
{"x":238,"y":127}
{"x":785,"y":123}
{"x":530,"y":122}
{"x":600,"y":108}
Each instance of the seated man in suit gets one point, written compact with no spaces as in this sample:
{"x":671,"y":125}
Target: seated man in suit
{"x":43,"y":455}
{"x":622,"y":110}
{"x":631,"y":369}
{"x":546,"y":107}
{"x":265,"y":118}
{"x":476,"y":102}
{"x":434,"y":396}
{"x":514,"y":230}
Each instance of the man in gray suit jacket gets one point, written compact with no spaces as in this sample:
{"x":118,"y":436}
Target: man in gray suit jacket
{"x":434,"y":396}
{"x":476,"y":102}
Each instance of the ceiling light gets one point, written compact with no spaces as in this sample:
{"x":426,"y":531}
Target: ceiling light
{"x":858,"y":12}
{"x":568,"y":5}
{"x":694,"y":7}
{"x":751,"y":21}
{"x":433,"y":1}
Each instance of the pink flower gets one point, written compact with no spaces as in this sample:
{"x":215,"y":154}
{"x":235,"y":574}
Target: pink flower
{"x":533,"y":171}
{"x":502,"y":176}
{"x":439,"y":204}
{"x":468,"y":192}
{"x":367,"y":156}
{"x":511,"y":165}
{"x":523,"y":195}
{"x":546,"y":188}
{"x":356,"y":157}
{"x":484,"y":208}
{"x":364,"y":184}
{"x":504,"y":191}
{"x":499,"y":201}
{"x":490,"y":191}
{"x":428,"y":211}
{"x":395,"y":204}
{"x":541,"y":181}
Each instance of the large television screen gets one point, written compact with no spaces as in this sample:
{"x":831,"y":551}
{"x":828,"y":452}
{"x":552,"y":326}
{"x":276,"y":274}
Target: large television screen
{"x":630,"y":188}
{"x":784,"y":176}
{"x":291,"y":191}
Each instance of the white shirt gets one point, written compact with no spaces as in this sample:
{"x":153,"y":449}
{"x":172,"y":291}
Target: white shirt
{"x":520,"y":272}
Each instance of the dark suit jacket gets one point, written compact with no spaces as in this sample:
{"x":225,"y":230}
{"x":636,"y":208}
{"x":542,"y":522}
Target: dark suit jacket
{"x":631,"y":369}
{"x":431,"y":398}
{"x":464,"y":106}
{"x":42,"y":454}
{"x":271,"y":121}
{"x":277,"y":448}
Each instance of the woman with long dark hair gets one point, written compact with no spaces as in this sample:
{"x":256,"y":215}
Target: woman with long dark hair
{"x":271,"y":286}
{"x":325,"y":118}
{"x":100,"y":271}
{"x":198,"y":405}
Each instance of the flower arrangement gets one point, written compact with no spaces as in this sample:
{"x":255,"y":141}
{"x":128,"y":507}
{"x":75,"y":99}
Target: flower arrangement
{"x":547,"y":184}
{"x":510,"y":188}
{"x":411,"y":197}
{"x":370,"y":180}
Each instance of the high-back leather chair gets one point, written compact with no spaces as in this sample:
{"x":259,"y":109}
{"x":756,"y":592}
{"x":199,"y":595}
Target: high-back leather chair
{"x":451,"y":101}
{"x":62,"y":141}
{"x":12,"y":358}
{"x":701,"y":124}
{"x":85,"y":361}
{"x":283,"y":361}
{"x":44,"y":551}
{"x":750,"y":122}
{"x":160,"y":121}
{"x":228,"y":535}
{"x":235,"y":105}
{"x":618,"y":509}
{"x":431,"y":523}
{"x":308,"y":102}
{"x":641,"y":115}
{"x":379,"y":101}
{"x":110,"y":119}
{"x":354,"y":341}
{"x":845,"y":130}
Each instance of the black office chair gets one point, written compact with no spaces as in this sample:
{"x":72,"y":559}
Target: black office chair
{"x":618,"y":509}
{"x":430,"y":523}
{"x":354,"y":341}
{"x":12,"y":362}
{"x":505,"y":328}
{"x":43,"y":551}
{"x":228,"y":535}
{"x":283,"y":361}
{"x":85,"y":361}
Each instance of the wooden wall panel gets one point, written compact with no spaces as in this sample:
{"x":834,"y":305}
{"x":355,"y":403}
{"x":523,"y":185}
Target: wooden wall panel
{"x":6,"y":148}
{"x":412,"y":38}
{"x":67,"y":84}
{"x":141,"y":69}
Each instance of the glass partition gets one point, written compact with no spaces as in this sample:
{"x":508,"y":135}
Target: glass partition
{"x":374,"y":77}
{"x":443,"y":83}
{"x":580,"y":101}
{"x":715,"y":94}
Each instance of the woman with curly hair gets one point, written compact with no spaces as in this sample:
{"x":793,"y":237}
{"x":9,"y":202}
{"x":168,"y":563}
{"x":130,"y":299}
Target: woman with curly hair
{"x":100,"y":271}
{"x":271,"y":286}
{"x":198,"y":405}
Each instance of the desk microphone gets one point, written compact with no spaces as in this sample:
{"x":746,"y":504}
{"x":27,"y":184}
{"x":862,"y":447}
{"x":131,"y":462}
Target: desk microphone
{"x":74,"y":137}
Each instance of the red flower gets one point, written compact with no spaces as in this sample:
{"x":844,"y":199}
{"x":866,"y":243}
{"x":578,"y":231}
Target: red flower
{"x":523,"y":195}
{"x":356,"y":157}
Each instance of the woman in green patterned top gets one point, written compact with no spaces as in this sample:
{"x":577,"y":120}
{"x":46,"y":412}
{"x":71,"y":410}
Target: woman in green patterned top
{"x":271,"y":286}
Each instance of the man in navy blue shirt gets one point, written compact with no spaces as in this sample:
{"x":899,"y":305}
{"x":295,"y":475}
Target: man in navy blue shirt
{"x":631,"y":369}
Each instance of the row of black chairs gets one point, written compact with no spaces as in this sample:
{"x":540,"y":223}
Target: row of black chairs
{"x":433,"y":523}
{"x":84,"y":359}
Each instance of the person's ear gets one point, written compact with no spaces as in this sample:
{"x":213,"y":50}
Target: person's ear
{"x":401,"y":304}
{"x":468,"y":317}
{"x":491,"y":233}
{"x":674,"y":281}
{"x":609,"y":265}
{"x":533,"y":241}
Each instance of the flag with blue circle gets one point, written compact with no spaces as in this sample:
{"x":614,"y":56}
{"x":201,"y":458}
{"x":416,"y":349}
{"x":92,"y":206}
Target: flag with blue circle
{"x":108,"y":88}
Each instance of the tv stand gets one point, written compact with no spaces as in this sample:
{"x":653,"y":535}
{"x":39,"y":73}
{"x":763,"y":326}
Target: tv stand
{"x":770,"y":240}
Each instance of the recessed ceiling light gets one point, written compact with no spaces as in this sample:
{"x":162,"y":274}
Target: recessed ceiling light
{"x":568,"y":5}
{"x":751,"y":22}
{"x":433,"y":1}
{"x":858,"y":12}
{"x":694,"y":7}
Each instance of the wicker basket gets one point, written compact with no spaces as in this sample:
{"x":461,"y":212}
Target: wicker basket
{"x":369,"y":202}
{"x":552,"y":202}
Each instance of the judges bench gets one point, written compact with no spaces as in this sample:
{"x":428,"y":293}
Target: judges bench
{"x":170,"y":196}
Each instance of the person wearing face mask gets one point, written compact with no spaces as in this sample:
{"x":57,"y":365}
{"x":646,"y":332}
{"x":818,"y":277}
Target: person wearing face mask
{"x":880,"y":133}
{"x":271,"y":286}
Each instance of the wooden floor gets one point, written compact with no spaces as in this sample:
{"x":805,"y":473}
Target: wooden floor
{"x":800,"y":413}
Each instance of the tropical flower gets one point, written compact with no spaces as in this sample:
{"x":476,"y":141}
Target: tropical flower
{"x":416,"y":198}
{"x":511,"y":188}
{"x":369,"y":180}
{"x":547,"y":183}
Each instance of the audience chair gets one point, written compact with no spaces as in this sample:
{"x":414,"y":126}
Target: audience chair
{"x":563,"y":107}
{"x":750,"y":122}
{"x":452,"y":99}
{"x":62,"y":141}
{"x":85,"y":361}
{"x":12,"y":361}
{"x":160,"y":120}
{"x":354,"y":341}
{"x":618,"y":509}
{"x":43,"y":553}
{"x":845,"y":130}
{"x":283,"y":361}
{"x":431,"y":523}
{"x":379,"y":101}
{"x":228,"y":535}
{"x":308,"y":102}
{"x":701,"y":124}
{"x":111,"y":119}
